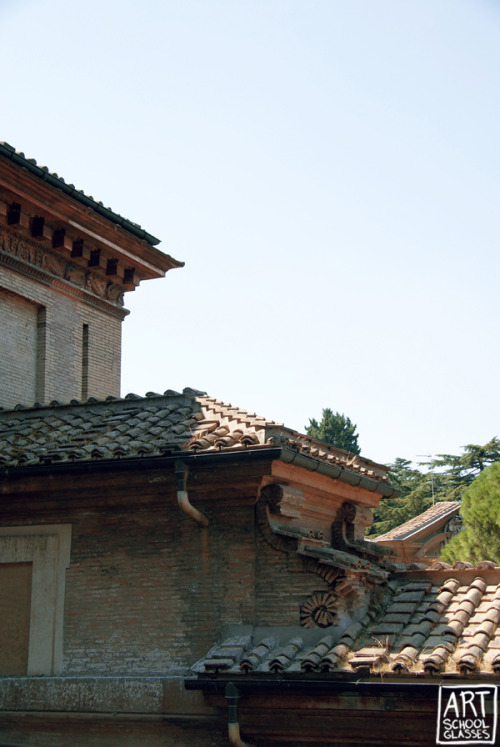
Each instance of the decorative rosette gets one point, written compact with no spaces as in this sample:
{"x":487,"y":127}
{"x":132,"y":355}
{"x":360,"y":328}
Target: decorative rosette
{"x":319,"y":610}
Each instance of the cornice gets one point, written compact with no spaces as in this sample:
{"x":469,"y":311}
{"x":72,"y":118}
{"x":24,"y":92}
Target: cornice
{"x":36,"y":263}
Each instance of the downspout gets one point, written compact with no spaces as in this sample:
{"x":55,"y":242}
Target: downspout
{"x":181,"y":472}
{"x":233,"y":727}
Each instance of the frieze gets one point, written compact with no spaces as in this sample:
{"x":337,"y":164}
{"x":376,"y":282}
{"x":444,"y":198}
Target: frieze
{"x":38,"y":257}
{"x":44,"y":278}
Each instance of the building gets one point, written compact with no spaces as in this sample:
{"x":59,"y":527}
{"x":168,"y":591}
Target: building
{"x":421,"y":539}
{"x":175,"y":570}
{"x":65,"y":263}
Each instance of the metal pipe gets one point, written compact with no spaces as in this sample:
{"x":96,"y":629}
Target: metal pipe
{"x":181,"y":472}
{"x":233,"y":727}
{"x":330,"y":686}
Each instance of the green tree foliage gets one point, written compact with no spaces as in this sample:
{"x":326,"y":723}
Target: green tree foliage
{"x":447,"y":477}
{"x":335,"y":429}
{"x":480,"y":510}
{"x":463,"y":469}
{"x":416,"y":493}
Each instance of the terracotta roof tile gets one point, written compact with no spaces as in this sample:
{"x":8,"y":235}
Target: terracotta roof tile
{"x":286,"y":655}
{"x":150,"y":426}
{"x":460,"y":636}
{"x":438,"y":511}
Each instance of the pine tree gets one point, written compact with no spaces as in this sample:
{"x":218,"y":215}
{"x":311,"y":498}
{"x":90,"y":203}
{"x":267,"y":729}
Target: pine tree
{"x":335,"y":429}
{"x":462,"y":469}
{"x":447,"y":478}
{"x":480,"y":510}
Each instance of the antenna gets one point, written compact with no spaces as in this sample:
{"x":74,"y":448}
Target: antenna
{"x":429,"y":456}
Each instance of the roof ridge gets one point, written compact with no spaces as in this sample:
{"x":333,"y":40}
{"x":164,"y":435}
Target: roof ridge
{"x":187,"y":391}
{"x":220,"y":407}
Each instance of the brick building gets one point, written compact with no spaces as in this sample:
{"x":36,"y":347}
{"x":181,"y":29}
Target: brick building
{"x":65,"y":263}
{"x":175,"y":570}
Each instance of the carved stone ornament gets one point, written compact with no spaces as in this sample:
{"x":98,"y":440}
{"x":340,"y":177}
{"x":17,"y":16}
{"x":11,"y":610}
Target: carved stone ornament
{"x":55,"y":265}
{"x":319,"y":610}
{"x":346,"y":596}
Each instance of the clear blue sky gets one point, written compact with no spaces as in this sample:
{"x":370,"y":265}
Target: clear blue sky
{"x":327,"y":169}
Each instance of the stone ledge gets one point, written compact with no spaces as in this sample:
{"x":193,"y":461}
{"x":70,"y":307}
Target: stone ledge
{"x":161,"y":695}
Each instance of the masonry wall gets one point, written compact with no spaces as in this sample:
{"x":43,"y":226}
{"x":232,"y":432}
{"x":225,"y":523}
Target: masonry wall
{"x":18,"y":350}
{"x":149,"y":590}
{"x":106,"y":732}
{"x":284,"y":580}
{"x":42,"y":344}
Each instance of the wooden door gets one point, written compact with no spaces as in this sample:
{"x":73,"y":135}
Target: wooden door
{"x":15,"y":610}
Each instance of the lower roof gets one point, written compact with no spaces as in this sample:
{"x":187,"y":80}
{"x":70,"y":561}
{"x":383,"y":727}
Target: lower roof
{"x":438,"y":622}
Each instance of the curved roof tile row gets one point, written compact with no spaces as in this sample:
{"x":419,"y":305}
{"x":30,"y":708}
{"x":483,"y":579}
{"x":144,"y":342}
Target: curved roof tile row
{"x":154,"y":425}
{"x":418,"y":627}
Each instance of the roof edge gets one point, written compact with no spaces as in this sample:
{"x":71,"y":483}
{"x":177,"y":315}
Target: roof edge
{"x":262,"y":451}
{"x":410,"y":533}
{"x":289,"y":456}
{"x":42,"y":173}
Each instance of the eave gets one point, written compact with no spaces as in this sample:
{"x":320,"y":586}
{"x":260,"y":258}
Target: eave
{"x":126,"y":252}
{"x":209,"y":458}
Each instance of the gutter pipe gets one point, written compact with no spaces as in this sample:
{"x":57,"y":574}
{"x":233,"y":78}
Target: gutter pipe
{"x":288,"y":456}
{"x":332,"y":470}
{"x":409,"y":689}
{"x":181,"y":472}
{"x":233,"y":727}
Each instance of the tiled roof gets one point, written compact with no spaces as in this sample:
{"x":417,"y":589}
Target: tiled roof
{"x":438,"y":622}
{"x":438,"y":511}
{"x":153,"y":425}
{"x":42,"y":172}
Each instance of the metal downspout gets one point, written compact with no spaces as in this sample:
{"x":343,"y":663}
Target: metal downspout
{"x":233,"y":728}
{"x":181,"y":472}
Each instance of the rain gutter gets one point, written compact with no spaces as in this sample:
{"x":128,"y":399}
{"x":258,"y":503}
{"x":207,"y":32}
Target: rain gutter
{"x":289,"y":456}
{"x":259,"y":453}
{"x":284,"y":685}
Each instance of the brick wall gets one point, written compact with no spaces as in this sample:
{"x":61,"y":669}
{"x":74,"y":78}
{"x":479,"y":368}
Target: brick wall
{"x":149,"y":591}
{"x":59,"y":335}
{"x":282,"y":583}
{"x":55,"y":731}
{"x":18,"y":350}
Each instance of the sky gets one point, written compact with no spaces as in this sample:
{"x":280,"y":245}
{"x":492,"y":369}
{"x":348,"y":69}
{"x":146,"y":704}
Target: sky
{"x":328,"y":170}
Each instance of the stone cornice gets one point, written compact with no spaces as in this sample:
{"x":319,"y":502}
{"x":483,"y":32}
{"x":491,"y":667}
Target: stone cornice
{"x":45,"y":267}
